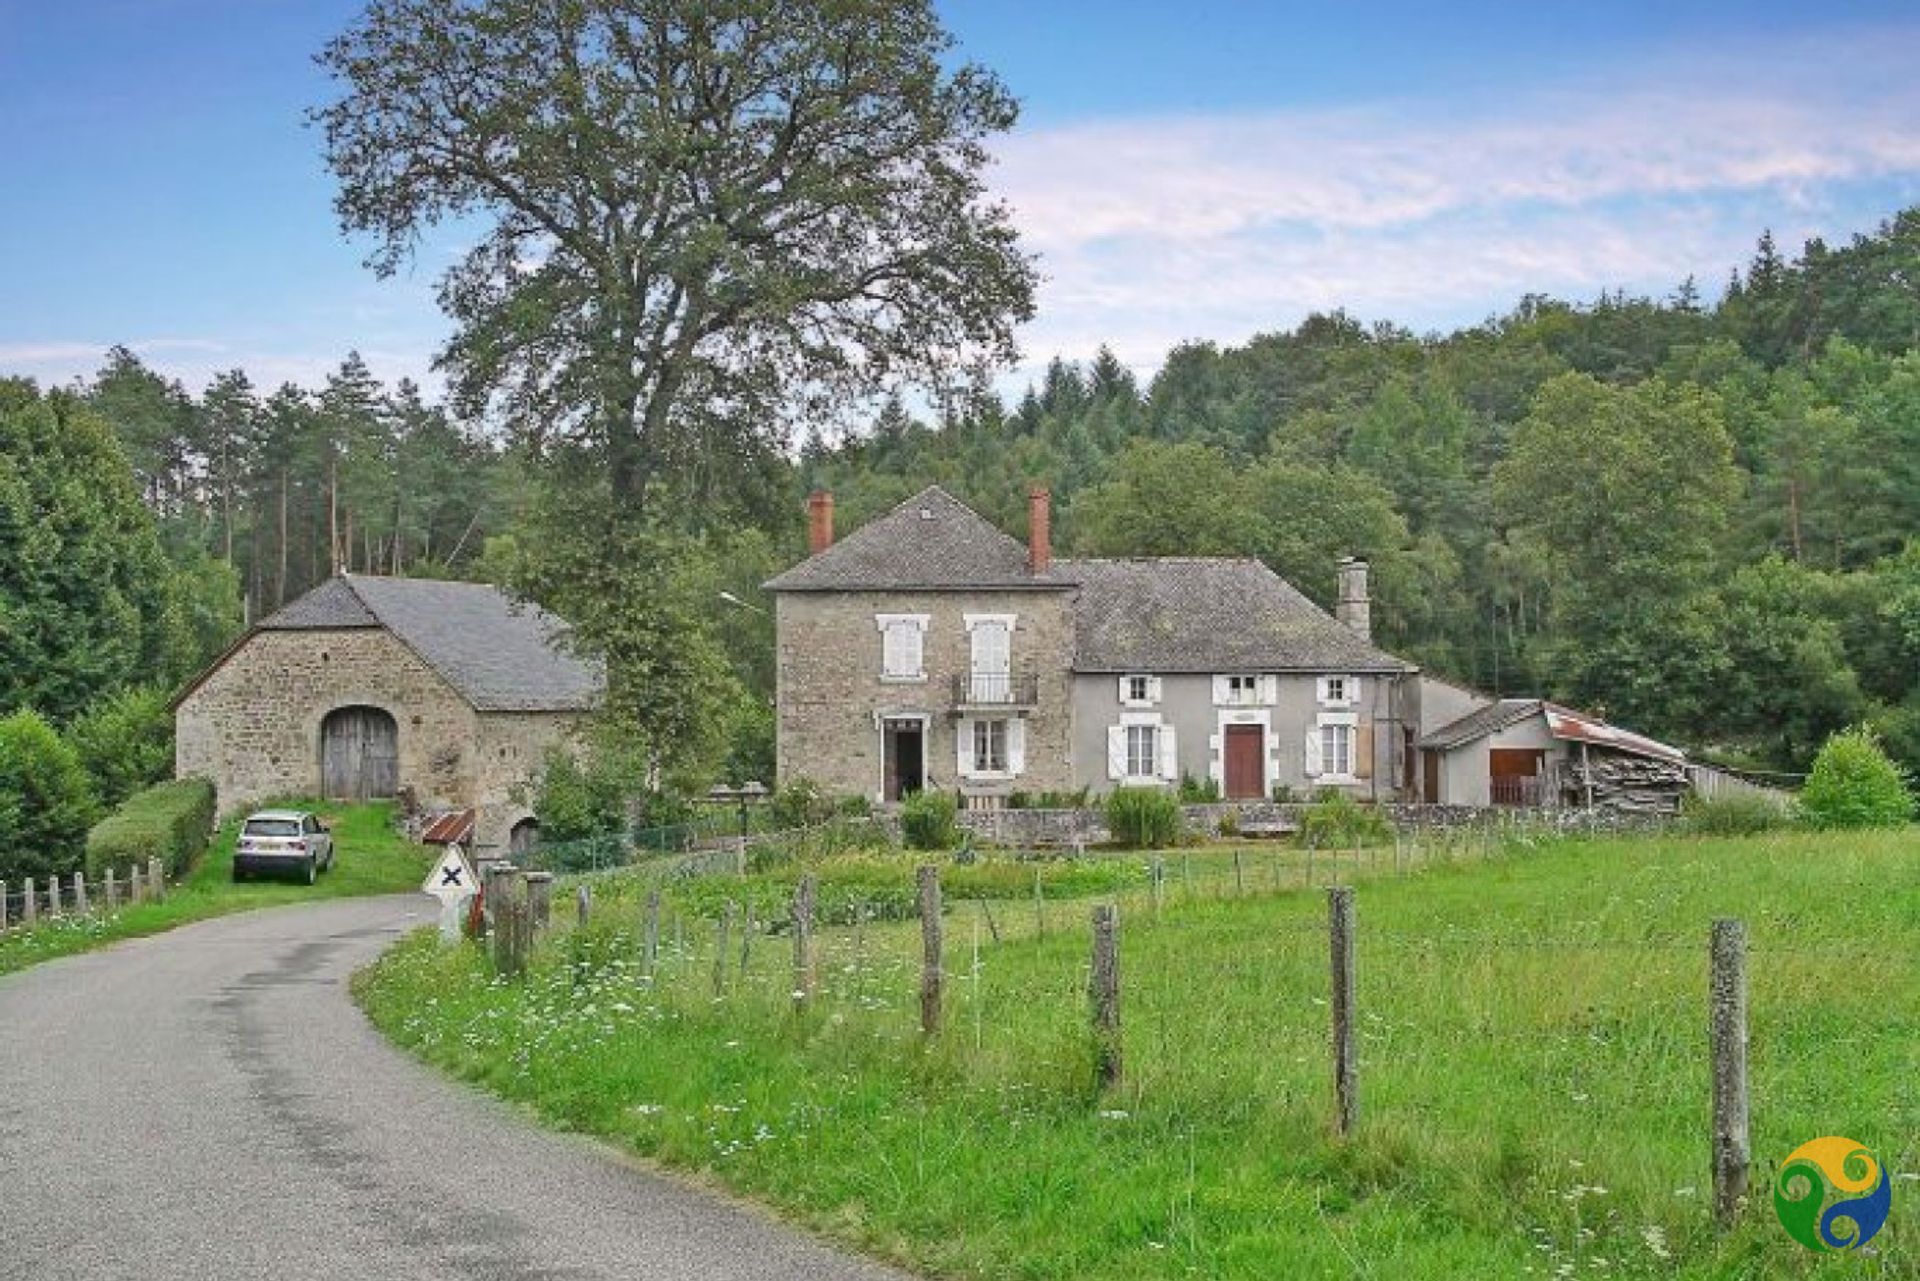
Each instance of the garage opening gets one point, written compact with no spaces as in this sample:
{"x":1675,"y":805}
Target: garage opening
{"x":359,"y":754}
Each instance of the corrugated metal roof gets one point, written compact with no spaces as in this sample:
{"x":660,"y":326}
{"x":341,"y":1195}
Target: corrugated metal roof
{"x":1562,"y":723}
{"x":447,"y":828}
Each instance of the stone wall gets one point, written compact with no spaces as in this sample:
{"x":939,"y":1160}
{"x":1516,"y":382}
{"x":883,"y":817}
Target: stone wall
{"x":1089,"y":826}
{"x":832,"y":696}
{"x":253,"y":725}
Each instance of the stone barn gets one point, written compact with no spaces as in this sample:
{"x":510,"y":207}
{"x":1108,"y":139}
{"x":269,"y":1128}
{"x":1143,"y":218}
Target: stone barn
{"x":445,"y":694}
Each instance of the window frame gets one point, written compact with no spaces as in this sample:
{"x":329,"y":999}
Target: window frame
{"x":1337,"y":739}
{"x":989,"y":732}
{"x":1150,"y":736}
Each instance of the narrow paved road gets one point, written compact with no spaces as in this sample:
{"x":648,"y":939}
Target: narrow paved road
{"x":209,"y":1104}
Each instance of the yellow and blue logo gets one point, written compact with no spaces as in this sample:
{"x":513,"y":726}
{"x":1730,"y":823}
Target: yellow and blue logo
{"x":1832,"y":1194}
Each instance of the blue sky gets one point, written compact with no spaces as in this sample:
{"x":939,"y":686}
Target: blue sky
{"x":1190,"y":170}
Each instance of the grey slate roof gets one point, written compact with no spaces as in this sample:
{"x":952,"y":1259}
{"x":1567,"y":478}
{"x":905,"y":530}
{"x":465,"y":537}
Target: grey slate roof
{"x":932,"y":541}
{"x":501,"y":656}
{"x":1192,"y":614}
{"x":1487,"y":720}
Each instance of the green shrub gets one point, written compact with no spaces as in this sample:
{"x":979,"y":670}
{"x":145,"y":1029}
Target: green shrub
{"x":1335,"y":819}
{"x":1855,"y":784}
{"x":125,"y":742}
{"x":574,"y":801}
{"x":1198,"y":791}
{"x":800,"y":803}
{"x":1143,"y":817}
{"x":928,"y":821}
{"x":46,"y":800}
{"x":1738,"y":814}
{"x":1229,"y":824}
{"x":1283,"y":794}
{"x":172,"y":820}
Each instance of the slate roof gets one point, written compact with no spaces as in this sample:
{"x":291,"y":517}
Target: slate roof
{"x":1486,"y":720}
{"x":500,"y":655}
{"x":933,"y":541}
{"x":1204,"y":614}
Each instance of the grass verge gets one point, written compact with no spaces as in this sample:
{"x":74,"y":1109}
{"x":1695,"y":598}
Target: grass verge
{"x":372,"y":858}
{"x":1534,"y":1086}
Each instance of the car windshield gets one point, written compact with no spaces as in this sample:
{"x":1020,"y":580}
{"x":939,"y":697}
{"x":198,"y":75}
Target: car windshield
{"x":273,"y":827}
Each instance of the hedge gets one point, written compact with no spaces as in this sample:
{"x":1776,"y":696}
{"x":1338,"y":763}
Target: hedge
{"x":173,"y":820}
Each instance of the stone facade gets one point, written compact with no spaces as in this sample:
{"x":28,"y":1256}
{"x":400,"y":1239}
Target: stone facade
{"x":253,"y":725}
{"x":833,"y":696}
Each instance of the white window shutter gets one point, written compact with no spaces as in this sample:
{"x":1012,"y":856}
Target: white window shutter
{"x":1269,"y":690}
{"x":1312,"y":766}
{"x":963,"y":732}
{"x":913,"y":649}
{"x":1017,"y":745}
{"x":1169,"y":755}
{"x":1153,"y":689}
{"x":1222,"y":692}
{"x":890,"y":650}
{"x":1116,"y":751}
{"x":1126,"y":694}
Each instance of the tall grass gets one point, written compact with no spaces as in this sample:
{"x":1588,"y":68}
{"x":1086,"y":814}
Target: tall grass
{"x":1533,"y":1075}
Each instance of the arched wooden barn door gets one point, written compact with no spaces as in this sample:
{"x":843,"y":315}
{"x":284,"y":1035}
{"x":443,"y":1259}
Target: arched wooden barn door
{"x":359,"y":754}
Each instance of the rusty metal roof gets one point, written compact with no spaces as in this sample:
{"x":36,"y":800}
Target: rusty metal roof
{"x":447,"y":828}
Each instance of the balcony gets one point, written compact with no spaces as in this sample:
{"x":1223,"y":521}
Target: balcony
{"x":991,"y":691}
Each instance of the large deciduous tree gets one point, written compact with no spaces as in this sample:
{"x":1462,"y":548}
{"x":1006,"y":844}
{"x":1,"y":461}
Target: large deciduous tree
{"x":696,"y":221}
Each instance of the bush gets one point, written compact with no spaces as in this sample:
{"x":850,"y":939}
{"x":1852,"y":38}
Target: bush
{"x":800,"y":803}
{"x":1198,"y":791}
{"x":1143,"y":817}
{"x":1229,"y":824}
{"x":173,"y":820}
{"x":928,"y":821}
{"x":1738,"y":814}
{"x":46,"y":800}
{"x":1283,"y":794}
{"x":1335,"y":819}
{"x":573,"y":801}
{"x":125,"y":743}
{"x":1855,"y":784}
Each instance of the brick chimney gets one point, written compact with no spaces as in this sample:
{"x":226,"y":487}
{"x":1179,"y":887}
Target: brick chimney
{"x":1355,"y":608}
{"x":1039,"y":529}
{"x":819,"y":521}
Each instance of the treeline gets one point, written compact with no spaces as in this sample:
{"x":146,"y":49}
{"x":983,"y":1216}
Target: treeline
{"x":1698,"y":519}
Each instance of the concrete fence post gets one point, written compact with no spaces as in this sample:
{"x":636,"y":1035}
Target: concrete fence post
{"x":4,"y":918}
{"x":539,"y":890}
{"x":53,"y":895}
{"x":1103,"y":990}
{"x":156,"y":879}
{"x":583,"y":906}
{"x":1346,"y":1085}
{"x":721,"y":929}
{"x":80,"y":893}
{"x":931,"y":973}
{"x":512,"y":920}
{"x":803,"y":971}
{"x":1727,"y":1039}
{"x":29,"y":906}
{"x":112,"y":891}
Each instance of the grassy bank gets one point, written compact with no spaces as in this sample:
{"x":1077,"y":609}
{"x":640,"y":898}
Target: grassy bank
{"x":1534,"y":1078}
{"x":372,"y":859}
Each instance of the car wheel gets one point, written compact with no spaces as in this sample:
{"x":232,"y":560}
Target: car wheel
{"x":309,"y":869}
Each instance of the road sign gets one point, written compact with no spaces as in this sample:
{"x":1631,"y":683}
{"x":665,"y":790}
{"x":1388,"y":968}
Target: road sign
{"x":451,"y":878}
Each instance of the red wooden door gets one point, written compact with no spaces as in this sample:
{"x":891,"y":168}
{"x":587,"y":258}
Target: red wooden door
{"x":1246,"y":779}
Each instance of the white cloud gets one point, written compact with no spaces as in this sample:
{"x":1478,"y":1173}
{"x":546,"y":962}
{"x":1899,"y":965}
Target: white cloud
{"x":1155,"y":230}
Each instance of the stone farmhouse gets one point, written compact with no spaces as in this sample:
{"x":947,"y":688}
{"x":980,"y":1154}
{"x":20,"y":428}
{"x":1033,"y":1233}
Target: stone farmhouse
{"x":928,"y":649}
{"x":446,"y":694}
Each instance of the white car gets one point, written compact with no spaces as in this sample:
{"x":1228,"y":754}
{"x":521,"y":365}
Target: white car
{"x":281,"y":841}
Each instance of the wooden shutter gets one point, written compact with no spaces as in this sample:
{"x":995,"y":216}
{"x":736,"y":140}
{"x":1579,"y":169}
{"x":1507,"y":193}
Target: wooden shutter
{"x":1153,"y":689}
{"x":1312,"y":766}
{"x":1126,"y":694}
{"x":1017,"y":745}
{"x":1363,"y":751}
{"x":963,"y":732}
{"x":1169,"y":755}
{"x":1222,"y":692}
{"x":1269,"y":690}
{"x":1116,"y":751}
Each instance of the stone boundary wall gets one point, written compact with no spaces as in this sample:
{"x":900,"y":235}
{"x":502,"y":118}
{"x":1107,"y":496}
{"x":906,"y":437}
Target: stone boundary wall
{"x":1267,"y":818}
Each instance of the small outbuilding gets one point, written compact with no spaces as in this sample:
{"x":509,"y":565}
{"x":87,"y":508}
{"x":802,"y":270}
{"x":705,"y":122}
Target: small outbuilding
{"x":447,"y":695}
{"x":1530,"y":753}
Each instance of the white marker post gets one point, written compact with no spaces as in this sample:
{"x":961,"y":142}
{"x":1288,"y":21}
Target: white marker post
{"x":452,"y":882}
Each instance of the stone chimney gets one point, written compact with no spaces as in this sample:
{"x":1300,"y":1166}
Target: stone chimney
{"x":1039,"y":530}
{"x":1355,"y":608}
{"x":819,"y":522}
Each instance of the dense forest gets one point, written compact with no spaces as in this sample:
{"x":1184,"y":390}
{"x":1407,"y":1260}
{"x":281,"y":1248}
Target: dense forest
{"x":1700,"y":518}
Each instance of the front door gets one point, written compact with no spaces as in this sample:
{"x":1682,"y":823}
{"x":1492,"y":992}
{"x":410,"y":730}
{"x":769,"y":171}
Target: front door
{"x":905,"y":749}
{"x":1246,"y":779}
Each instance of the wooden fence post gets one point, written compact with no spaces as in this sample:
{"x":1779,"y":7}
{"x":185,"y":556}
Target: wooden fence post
{"x":1039,"y":905}
{"x":53,"y":895}
{"x":748,"y":927}
{"x":1346,"y":1086}
{"x":156,"y":879}
{"x":583,"y":906}
{"x":931,"y":972}
{"x":1103,"y":990}
{"x":650,"y":946}
{"x":29,"y":908}
{"x":1239,"y":881}
{"x":1159,"y":877}
{"x":507,"y":890}
{"x":3,"y":907}
{"x":539,"y":892}
{"x":803,"y":975}
{"x":1727,"y":1038}
{"x":112,"y":891}
{"x":721,"y":929}
{"x":80,"y":893}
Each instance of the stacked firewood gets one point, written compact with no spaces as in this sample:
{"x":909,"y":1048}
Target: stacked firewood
{"x":1635,"y":784}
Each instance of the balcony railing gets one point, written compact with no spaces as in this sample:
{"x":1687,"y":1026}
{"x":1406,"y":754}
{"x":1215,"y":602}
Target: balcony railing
{"x":1520,"y":792}
{"x":995,"y":689}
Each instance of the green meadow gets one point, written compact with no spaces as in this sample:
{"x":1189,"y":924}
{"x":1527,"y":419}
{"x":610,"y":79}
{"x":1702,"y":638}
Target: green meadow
{"x":371,"y":858}
{"x":1534,"y":1092}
